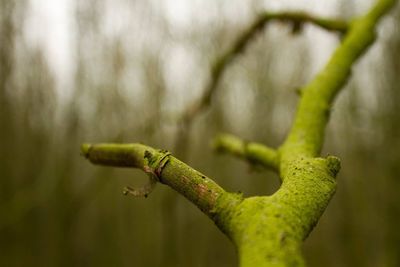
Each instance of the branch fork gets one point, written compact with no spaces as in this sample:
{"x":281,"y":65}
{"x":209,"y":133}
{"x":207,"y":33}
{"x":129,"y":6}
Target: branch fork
{"x":267,"y":230}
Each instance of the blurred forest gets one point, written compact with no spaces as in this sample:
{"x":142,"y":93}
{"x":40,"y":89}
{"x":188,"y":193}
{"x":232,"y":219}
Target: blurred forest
{"x":128,"y":70}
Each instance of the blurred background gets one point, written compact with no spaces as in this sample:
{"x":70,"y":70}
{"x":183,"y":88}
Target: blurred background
{"x":123,"y":71}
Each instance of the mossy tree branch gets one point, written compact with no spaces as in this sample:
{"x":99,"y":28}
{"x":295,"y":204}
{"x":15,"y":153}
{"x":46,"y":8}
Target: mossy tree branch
{"x":267,"y":230}
{"x":168,"y":170}
{"x":307,"y":133}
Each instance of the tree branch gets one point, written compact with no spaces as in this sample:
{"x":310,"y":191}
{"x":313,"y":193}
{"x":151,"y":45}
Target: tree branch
{"x":308,"y":182}
{"x":267,"y":230}
{"x":195,"y":186}
{"x":307,"y":133}
{"x":255,"y":153}
{"x":300,"y":18}
{"x":218,"y":68}
{"x":221,"y":64}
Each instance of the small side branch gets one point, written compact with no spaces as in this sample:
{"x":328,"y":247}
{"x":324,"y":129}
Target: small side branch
{"x":163,"y":167}
{"x":254,"y":153}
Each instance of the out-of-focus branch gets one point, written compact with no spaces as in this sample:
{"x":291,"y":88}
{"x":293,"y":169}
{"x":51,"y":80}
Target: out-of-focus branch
{"x":297,"y":18}
{"x":219,"y":66}
{"x":218,"y":69}
{"x":300,"y":18}
{"x":165,"y":168}
{"x":254,"y":153}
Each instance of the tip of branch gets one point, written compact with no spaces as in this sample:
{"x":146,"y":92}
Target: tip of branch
{"x":85,"y":148}
{"x":221,"y":141}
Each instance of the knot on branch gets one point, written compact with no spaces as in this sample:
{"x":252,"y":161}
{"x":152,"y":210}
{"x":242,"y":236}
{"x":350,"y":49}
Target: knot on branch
{"x":153,"y":166}
{"x":155,"y":162}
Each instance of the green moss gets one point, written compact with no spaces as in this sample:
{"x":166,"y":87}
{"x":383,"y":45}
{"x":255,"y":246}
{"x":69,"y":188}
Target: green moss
{"x":258,"y":226}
